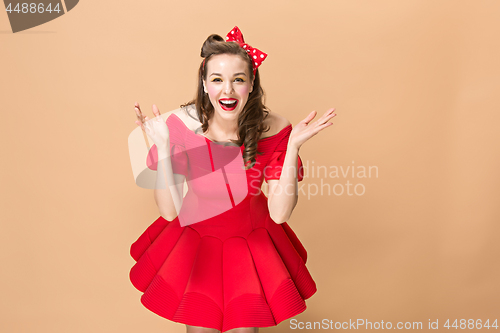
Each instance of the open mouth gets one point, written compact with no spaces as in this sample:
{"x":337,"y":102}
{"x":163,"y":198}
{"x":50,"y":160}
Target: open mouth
{"x":228,"y":104}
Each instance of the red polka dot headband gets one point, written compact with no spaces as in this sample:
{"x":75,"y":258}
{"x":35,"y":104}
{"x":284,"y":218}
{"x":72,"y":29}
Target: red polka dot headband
{"x":257,"y":55}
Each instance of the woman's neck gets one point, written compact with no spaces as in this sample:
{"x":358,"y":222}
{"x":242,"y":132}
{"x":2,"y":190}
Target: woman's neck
{"x":222,"y":129}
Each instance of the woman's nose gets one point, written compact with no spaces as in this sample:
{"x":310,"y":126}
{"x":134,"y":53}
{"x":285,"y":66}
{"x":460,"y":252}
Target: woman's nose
{"x":229,"y":88}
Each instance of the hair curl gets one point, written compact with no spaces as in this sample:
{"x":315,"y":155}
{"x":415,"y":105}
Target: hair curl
{"x":251,"y":119}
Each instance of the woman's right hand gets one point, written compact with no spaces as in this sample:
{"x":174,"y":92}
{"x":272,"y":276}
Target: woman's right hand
{"x":156,"y":129}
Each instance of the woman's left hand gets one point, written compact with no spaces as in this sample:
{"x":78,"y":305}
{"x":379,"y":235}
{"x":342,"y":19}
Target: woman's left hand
{"x":305,"y":130}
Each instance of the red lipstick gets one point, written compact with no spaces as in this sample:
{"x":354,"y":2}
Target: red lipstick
{"x":229,"y":105}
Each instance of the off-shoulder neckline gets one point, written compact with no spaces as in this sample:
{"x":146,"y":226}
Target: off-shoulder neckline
{"x":202,"y":136}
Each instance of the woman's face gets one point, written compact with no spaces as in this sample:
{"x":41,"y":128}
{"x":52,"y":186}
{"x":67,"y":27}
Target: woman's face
{"x":227,"y":81}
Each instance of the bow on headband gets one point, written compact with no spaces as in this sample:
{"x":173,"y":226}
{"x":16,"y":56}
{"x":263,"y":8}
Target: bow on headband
{"x":257,"y":55}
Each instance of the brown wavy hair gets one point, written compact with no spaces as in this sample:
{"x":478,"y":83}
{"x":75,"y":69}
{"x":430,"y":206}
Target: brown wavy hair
{"x":251,"y":119}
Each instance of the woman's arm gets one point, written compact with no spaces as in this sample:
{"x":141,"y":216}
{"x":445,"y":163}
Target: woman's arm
{"x":283,"y":192}
{"x":169,"y":187}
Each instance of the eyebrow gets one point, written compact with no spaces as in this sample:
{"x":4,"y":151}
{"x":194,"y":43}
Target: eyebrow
{"x":219,"y":74}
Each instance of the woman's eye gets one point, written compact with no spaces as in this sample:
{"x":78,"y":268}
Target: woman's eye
{"x":219,"y":80}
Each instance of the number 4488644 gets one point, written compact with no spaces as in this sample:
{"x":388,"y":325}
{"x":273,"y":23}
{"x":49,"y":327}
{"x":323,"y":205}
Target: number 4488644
{"x":32,"y":8}
{"x":471,"y":324}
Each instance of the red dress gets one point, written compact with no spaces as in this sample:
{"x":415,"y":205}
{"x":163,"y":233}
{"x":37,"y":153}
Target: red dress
{"x":222,"y":262}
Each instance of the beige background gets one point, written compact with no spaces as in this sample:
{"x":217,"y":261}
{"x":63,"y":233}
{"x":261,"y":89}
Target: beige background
{"x":415,"y":84}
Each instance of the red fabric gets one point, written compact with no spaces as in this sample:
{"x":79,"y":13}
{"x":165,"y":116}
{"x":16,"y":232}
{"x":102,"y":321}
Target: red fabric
{"x":178,"y":154}
{"x":275,"y":166}
{"x":178,"y":157}
{"x":235,"y":268}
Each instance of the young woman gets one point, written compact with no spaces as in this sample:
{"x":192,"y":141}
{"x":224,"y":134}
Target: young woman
{"x":222,"y":258}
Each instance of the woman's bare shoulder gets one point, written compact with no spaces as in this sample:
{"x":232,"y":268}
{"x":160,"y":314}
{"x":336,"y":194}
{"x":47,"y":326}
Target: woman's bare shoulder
{"x":181,"y":113}
{"x":276,"y":123}
{"x":188,"y":116}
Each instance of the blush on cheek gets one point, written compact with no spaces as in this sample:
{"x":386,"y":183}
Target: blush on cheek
{"x":244,"y":91}
{"x":211,"y":91}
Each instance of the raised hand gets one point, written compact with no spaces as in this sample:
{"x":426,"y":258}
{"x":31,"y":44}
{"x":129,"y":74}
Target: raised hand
{"x":156,"y":128}
{"x":305,"y":130}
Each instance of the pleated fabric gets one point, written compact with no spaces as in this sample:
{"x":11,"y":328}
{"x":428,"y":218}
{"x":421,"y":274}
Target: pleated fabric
{"x":234,"y":269}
